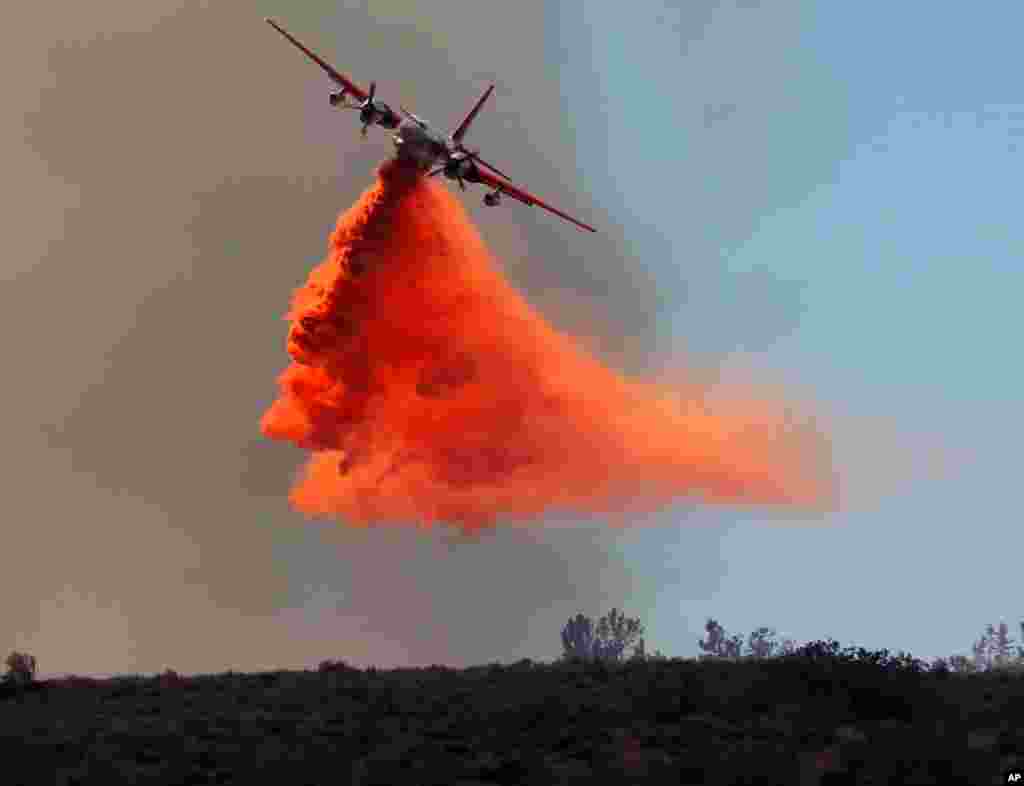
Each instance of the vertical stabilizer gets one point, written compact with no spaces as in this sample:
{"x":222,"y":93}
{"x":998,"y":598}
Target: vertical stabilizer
{"x":463,"y":127}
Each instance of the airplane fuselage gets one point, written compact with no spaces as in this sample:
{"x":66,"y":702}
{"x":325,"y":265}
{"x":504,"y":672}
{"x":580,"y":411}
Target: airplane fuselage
{"x":420,"y":144}
{"x":417,"y":142}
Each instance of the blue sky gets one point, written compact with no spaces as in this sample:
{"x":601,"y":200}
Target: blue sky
{"x":831,"y":190}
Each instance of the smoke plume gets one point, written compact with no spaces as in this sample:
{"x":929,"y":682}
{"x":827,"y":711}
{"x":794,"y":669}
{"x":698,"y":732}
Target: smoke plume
{"x":427,"y":390}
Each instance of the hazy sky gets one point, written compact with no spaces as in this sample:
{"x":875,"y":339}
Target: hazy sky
{"x":835,"y":195}
{"x":806,"y":194}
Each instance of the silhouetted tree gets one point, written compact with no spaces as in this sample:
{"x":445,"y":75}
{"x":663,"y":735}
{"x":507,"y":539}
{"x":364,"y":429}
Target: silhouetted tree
{"x":992,"y":651}
{"x":761,"y":642}
{"x":717,"y":644}
{"x":613,"y":634}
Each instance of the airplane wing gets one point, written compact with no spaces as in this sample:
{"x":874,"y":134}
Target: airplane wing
{"x":525,"y":197}
{"x":492,"y":167}
{"x":350,"y":87}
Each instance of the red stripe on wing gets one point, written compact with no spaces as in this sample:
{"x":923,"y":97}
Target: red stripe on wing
{"x":526,"y":197}
{"x":350,"y":86}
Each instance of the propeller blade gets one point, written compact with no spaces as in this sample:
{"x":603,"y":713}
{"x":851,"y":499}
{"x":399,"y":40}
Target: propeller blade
{"x":373,"y":91}
{"x":462,"y":185}
{"x":362,"y":131}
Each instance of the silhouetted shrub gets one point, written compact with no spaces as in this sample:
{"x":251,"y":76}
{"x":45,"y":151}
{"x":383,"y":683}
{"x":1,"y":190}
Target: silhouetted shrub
{"x":760,"y":644}
{"x":327,"y":666}
{"x":21,"y":668}
{"x":607,"y":642}
{"x":717,"y":645}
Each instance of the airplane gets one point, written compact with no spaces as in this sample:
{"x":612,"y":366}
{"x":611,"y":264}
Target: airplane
{"x":420,"y":144}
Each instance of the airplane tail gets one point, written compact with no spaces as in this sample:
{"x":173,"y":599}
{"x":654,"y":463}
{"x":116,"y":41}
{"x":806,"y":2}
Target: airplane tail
{"x":463,"y":127}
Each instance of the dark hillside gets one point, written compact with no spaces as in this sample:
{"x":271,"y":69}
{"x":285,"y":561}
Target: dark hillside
{"x":787,"y":720}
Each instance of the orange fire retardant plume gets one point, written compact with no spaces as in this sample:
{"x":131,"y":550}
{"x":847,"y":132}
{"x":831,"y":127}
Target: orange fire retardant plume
{"x":427,"y":390}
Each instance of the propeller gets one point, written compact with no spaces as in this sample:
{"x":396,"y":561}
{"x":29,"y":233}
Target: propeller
{"x":368,"y":117}
{"x":441,"y":169}
{"x":475,"y":155}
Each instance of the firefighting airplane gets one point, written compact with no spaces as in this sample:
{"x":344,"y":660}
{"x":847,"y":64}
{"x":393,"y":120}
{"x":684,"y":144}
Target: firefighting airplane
{"x":419,"y":143}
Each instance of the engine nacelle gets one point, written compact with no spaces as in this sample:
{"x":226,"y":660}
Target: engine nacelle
{"x":492,"y":198}
{"x":337,"y":98}
{"x":387,"y":118}
{"x":380,"y":114}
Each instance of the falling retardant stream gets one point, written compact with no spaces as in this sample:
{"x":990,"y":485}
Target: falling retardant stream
{"x":428,"y":391}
